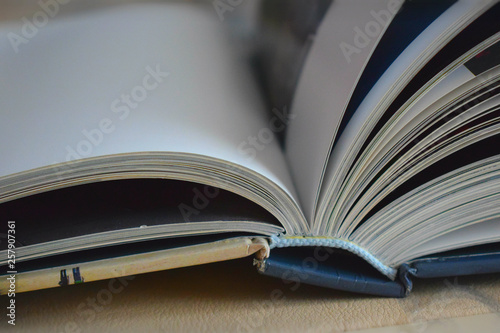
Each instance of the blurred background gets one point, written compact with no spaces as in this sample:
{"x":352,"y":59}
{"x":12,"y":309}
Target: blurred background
{"x":275,"y":35}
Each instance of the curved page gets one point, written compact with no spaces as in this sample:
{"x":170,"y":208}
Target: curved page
{"x":134,"y":78}
{"x":345,"y":40}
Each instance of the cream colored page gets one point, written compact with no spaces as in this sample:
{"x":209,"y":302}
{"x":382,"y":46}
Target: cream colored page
{"x":132,"y":78}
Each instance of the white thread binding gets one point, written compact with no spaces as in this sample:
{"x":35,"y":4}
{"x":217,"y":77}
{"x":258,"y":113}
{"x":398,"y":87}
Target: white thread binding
{"x":283,"y":241}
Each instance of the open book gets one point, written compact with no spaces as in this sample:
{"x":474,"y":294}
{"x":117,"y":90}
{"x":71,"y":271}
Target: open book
{"x":351,"y":144}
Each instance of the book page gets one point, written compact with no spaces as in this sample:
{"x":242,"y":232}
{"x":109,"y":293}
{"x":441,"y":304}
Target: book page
{"x":476,"y":234}
{"x":449,"y":116}
{"x":131,"y":79}
{"x":345,"y":40}
{"x":452,"y":201}
{"x":128,"y":211}
{"x":436,"y":36}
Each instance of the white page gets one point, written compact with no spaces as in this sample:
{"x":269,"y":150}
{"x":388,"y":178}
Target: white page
{"x":386,"y":89}
{"x":476,"y":234}
{"x":71,"y":75}
{"x":456,"y":199}
{"x":444,"y":93}
{"x":327,"y":81}
{"x":453,"y":86}
{"x":415,"y":113}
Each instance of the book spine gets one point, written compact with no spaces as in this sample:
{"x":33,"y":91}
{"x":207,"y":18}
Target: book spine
{"x":290,"y":267}
{"x":299,"y":241}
